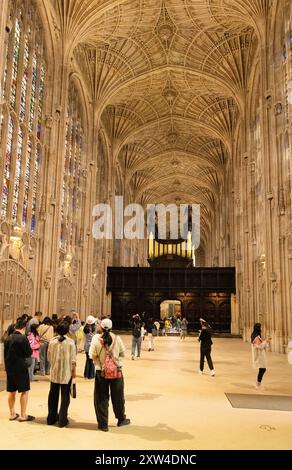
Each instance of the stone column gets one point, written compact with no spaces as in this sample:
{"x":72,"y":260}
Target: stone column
{"x":90,"y":174}
{"x":3,"y":40}
{"x":52,"y":192}
{"x":234,"y":315}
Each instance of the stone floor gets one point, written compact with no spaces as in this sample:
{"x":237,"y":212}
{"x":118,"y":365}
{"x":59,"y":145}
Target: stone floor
{"x":170,"y":405}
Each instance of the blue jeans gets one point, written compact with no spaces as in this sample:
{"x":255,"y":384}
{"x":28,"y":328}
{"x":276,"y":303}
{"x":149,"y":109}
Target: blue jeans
{"x":136,"y":342}
{"x":44,"y":363}
{"x":31,"y":370}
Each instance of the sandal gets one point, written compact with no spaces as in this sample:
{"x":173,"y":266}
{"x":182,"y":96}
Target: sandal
{"x":15,"y":417}
{"x":28,"y":418}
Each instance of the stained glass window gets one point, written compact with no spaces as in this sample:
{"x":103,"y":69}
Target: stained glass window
{"x":72,"y":172}
{"x":40,"y":103}
{"x":35,"y":187}
{"x":26,"y":183}
{"x":33,"y":92}
{"x":17,"y":175}
{"x":15,"y":59}
{"x":1,"y":124}
{"x":24,"y":79}
{"x":7,"y":169}
{"x":25,"y":76}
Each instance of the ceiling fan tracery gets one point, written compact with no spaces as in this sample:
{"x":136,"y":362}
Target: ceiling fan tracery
{"x":168,"y":79}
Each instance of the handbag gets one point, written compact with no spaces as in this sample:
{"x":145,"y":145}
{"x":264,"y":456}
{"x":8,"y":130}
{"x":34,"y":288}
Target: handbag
{"x":73,"y":391}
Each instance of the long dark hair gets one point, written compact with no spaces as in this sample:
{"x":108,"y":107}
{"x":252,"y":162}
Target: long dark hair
{"x":62,"y":330}
{"x":257,"y":331}
{"x":106,"y":337}
{"x":89,"y":328}
{"x":34,"y":330}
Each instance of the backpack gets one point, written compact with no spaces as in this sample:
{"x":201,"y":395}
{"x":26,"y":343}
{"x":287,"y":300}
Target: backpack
{"x":110,"y":368}
{"x":136,"y":331}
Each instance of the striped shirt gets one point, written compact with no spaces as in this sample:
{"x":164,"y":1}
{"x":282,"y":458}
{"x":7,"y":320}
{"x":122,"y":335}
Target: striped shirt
{"x":62,"y":357}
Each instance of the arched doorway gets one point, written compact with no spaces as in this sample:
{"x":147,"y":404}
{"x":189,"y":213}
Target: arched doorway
{"x":171,"y":310}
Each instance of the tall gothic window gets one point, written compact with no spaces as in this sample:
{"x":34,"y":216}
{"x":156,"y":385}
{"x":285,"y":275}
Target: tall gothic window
{"x":23,"y":85}
{"x":71,"y":190}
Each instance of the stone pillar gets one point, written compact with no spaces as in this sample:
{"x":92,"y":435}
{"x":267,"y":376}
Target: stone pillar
{"x":54,"y":170}
{"x":90,"y":177}
{"x":3,"y":40}
{"x":234,"y":315}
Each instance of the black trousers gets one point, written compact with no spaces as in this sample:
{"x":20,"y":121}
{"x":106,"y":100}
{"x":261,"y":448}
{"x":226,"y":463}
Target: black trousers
{"x":206,"y":353}
{"x":53,"y":401}
{"x":102,"y":389}
{"x":262,"y":370}
{"x":89,"y":368}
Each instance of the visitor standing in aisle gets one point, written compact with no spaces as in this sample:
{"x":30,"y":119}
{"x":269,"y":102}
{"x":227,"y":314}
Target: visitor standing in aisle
{"x":17,"y":353}
{"x":136,"y":325}
{"x":89,"y":331}
{"x":149,"y":328}
{"x":183,"y":328}
{"x":259,"y":356}
{"x":107,"y":351}
{"x":206,"y":346}
{"x":62,"y":357}
{"x":35,"y":344}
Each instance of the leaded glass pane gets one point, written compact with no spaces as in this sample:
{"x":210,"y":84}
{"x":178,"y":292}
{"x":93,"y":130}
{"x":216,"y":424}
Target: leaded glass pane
{"x":35,"y":187}
{"x":17,"y":175}
{"x":15,"y":59}
{"x":7,"y":169}
{"x":33,"y":93}
{"x":24,"y":80}
{"x":26,"y":183}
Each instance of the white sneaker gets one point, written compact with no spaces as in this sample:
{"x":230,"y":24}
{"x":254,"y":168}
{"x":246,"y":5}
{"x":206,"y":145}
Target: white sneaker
{"x":257,"y":386}
{"x":200,"y":372}
{"x":212,"y":373}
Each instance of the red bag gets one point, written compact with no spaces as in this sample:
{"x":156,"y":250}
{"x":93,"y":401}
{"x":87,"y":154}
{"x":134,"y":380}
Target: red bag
{"x":110,"y":368}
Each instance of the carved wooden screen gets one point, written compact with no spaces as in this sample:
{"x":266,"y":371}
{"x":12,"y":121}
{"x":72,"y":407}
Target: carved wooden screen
{"x":66,"y":298}
{"x":16,"y":292}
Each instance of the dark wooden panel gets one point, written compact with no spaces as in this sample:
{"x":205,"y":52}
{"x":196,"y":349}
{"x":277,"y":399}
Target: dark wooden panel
{"x":203,"y":292}
{"x":188,"y":280}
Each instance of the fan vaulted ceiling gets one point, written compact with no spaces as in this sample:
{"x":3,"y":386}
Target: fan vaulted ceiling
{"x":169,"y":79}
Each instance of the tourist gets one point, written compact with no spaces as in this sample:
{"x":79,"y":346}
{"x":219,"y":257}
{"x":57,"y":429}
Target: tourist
{"x":100,"y":346}
{"x":183,"y":328}
{"x":33,"y":321}
{"x":149,"y":328}
{"x":206,"y":345}
{"x":35,"y":344}
{"x":62,"y":357}
{"x":167,"y":326}
{"x":136,"y":324}
{"x":46,"y":333}
{"x":259,"y":357}
{"x":157,"y":327}
{"x":17,"y":357}
{"x":89,"y":331}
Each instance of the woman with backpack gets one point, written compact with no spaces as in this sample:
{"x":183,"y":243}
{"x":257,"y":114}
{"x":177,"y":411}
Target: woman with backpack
{"x":136,"y":325}
{"x":107,"y":351}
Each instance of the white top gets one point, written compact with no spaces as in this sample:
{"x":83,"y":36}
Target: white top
{"x":62,"y":357}
{"x":259,"y":356}
{"x":98,"y":352}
